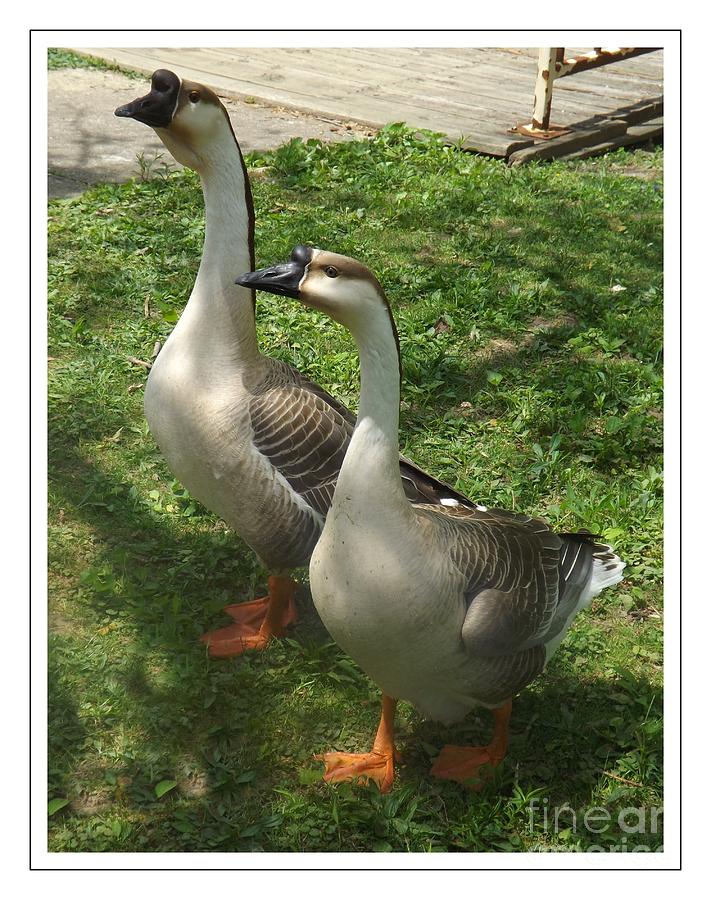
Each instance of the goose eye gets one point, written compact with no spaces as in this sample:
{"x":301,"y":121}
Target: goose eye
{"x":331,"y":271}
{"x":194,"y":96}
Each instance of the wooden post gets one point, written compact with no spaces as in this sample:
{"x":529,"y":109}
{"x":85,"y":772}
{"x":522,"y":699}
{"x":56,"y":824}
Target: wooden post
{"x":547,"y":58}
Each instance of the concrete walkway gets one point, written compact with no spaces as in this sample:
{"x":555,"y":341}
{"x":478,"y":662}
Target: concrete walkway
{"x":88,"y":145}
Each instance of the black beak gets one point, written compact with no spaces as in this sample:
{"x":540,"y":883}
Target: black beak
{"x":283,"y":279}
{"x":158,"y":106}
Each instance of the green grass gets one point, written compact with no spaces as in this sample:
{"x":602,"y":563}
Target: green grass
{"x":529,"y":383}
{"x":61,"y":58}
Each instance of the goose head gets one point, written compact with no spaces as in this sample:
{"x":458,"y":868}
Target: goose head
{"x":188,"y":117}
{"x":338,"y":286}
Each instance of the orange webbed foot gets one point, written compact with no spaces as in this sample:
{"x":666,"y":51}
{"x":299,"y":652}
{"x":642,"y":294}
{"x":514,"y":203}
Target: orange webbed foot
{"x":376,"y":766}
{"x":250,"y":613}
{"x":256,"y":622}
{"x":234,"y":640}
{"x":471,"y":766}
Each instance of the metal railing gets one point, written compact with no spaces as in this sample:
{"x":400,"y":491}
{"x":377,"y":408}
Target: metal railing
{"x":553,"y":64}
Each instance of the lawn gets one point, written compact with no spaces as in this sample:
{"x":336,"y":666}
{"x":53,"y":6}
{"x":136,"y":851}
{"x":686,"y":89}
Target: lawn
{"x":529,"y":303}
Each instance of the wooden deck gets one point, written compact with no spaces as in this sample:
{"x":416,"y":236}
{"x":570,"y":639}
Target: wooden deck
{"x":474,"y":96}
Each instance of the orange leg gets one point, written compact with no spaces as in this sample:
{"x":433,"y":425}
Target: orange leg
{"x":378,"y":765}
{"x":463,"y":764}
{"x":255,"y":622}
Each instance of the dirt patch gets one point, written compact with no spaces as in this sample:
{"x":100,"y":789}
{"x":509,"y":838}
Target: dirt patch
{"x":565,"y":320}
{"x":498,"y":348}
{"x":637,"y":172}
{"x":90,"y":804}
{"x":195,"y":785}
{"x":57,"y":624}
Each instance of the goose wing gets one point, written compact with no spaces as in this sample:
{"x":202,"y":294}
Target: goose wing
{"x":507,"y":568}
{"x":304,"y":432}
{"x":419,"y":486}
{"x":521,"y":583}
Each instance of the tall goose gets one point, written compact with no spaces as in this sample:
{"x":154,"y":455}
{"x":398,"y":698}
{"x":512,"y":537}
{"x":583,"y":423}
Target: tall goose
{"x":252,"y":439}
{"x":446,"y":607}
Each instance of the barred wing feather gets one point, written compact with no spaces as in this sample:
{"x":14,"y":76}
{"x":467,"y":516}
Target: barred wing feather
{"x":304,"y":432}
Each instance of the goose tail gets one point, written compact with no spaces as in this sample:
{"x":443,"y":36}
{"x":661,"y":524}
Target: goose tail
{"x":587,"y":567}
{"x":607,"y":569}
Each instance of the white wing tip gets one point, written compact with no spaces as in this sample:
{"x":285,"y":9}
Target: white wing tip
{"x":606,"y":572}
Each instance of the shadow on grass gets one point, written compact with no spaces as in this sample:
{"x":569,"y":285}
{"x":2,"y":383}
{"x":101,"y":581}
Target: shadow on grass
{"x":565,"y":734}
{"x":231,"y":733}
{"x":134,"y":676}
{"x":234,"y":734}
{"x":134,"y":699}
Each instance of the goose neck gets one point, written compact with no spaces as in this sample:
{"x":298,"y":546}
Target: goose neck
{"x":221,"y":313}
{"x":372,"y":460}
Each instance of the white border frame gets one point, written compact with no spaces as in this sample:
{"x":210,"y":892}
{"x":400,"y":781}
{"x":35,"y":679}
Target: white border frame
{"x":40,"y":41}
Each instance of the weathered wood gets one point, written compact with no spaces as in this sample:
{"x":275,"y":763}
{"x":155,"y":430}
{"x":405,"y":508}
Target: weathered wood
{"x":638,"y":134}
{"x":567,"y":143}
{"x":641,"y":112}
{"x":494,"y":145}
{"x":472,"y":95}
{"x":656,"y":125}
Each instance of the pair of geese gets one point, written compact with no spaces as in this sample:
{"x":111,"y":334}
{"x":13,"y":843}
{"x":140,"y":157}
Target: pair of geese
{"x":444,"y":603}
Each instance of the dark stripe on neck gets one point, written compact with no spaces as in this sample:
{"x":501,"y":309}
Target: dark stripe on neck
{"x":249,"y":203}
{"x":396,"y":336}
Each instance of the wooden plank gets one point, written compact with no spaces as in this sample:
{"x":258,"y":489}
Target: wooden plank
{"x":583,"y":100}
{"x":392,"y":59}
{"x":459,"y":104}
{"x":480,"y":142}
{"x":185,"y":54}
{"x":606,"y":83}
{"x":375,"y":109}
{"x":641,"y":112}
{"x":474,"y":94}
{"x":491,"y":77}
{"x":576,"y":140}
{"x":635,"y":135}
{"x":412,"y":58}
{"x":464,"y":104}
{"x":372,"y":61}
{"x":433,"y":88}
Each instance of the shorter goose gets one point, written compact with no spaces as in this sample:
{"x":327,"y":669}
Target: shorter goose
{"x":446,"y":607}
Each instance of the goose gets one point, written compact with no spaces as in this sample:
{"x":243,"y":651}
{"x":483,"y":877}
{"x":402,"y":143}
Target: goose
{"x":446,"y":607}
{"x":251,"y":438}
